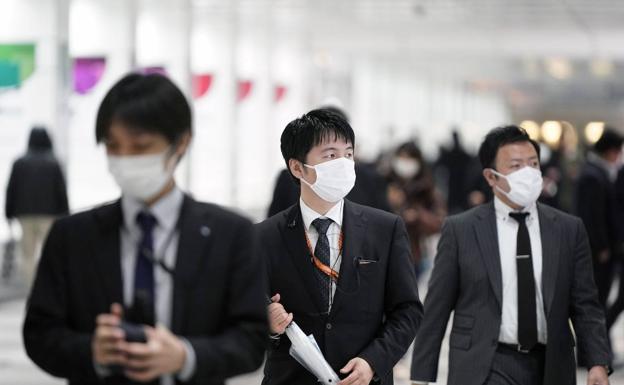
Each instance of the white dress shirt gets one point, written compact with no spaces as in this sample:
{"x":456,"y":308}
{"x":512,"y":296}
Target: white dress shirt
{"x":333,"y":235}
{"x":166,"y":236}
{"x":507,"y":243}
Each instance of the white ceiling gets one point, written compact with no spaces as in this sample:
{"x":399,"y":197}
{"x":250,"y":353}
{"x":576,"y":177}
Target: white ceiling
{"x":571,"y":28}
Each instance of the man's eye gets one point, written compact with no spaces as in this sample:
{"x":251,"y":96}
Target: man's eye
{"x":349,"y":155}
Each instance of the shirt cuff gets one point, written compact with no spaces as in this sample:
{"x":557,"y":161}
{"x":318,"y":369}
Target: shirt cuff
{"x":101,"y":370}
{"x":190,"y":363}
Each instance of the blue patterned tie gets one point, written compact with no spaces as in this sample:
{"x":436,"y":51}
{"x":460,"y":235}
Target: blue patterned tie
{"x":144,"y":294}
{"x":322,"y":252}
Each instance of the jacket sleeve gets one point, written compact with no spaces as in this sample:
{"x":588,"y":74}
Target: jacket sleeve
{"x":9,"y":204}
{"x":594,"y":216}
{"x":48,"y":337}
{"x":240,"y":347}
{"x":62,"y":204}
{"x":587,"y":314}
{"x":403,"y":308}
{"x":439,"y":303}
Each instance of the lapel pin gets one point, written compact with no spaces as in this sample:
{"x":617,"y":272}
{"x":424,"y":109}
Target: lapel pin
{"x":205,"y":231}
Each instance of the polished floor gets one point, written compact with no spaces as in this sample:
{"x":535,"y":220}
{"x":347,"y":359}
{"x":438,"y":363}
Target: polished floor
{"x":17,"y":369}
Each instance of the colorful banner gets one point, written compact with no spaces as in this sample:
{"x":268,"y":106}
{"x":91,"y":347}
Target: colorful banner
{"x":87,"y":72}
{"x":201,"y":84}
{"x":244,"y":89}
{"x":16,"y":57}
{"x":280,"y":93}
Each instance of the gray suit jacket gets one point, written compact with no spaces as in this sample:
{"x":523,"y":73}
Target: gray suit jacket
{"x":467,"y":279}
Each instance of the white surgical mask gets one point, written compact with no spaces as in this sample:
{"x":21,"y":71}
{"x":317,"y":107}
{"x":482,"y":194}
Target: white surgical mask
{"x":334,"y":179}
{"x":406,"y":168}
{"x":142,"y":176}
{"x":526,"y":185}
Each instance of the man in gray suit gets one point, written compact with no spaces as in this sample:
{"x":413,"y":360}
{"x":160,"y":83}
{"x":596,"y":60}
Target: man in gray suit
{"x":515,"y":272}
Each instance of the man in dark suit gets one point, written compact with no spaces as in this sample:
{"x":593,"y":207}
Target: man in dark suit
{"x":183,"y":271}
{"x":342,"y":271}
{"x":596,"y":206}
{"x":515,"y":273}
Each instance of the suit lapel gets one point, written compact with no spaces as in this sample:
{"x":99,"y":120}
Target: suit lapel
{"x":354,"y":230}
{"x":195,"y":230}
{"x":293,"y":235}
{"x":108,"y":251}
{"x":487,"y":237}
{"x":550,"y":236}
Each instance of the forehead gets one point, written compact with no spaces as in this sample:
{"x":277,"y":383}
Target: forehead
{"x":333,"y":142}
{"x":121,"y":131}
{"x":519,"y":150}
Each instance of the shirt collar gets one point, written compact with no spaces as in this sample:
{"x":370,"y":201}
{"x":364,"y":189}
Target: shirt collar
{"x":166,"y":210}
{"x":502,"y":210}
{"x":309,"y":215}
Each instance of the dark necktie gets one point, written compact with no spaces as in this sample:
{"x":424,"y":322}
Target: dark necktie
{"x":527,"y":315}
{"x":144,"y":292}
{"x":322,"y":253}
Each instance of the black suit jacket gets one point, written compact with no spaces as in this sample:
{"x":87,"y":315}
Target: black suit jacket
{"x":376,"y":310}
{"x":218,"y":299}
{"x":596,"y":206}
{"x":467,"y":279}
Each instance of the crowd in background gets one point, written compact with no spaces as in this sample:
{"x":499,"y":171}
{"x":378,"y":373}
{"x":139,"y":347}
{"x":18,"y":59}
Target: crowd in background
{"x":587,"y":181}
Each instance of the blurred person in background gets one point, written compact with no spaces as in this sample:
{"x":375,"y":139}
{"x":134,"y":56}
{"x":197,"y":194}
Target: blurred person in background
{"x":596,"y":206}
{"x":369,"y":189}
{"x":154,"y":287}
{"x":413,"y":195}
{"x":517,"y":276}
{"x":36,"y":195}
{"x":452,"y":174}
{"x":614,"y":311}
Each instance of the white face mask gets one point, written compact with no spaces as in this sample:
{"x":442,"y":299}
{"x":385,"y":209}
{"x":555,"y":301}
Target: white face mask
{"x":526,"y":185}
{"x":142,"y":176}
{"x":406,"y":168}
{"x":334,"y":179}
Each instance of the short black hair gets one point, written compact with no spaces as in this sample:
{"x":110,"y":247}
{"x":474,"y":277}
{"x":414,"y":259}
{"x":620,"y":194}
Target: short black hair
{"x":499,"y":137}
{"x":151,"y":103}
{"x":312,"y":129}
{"x":610,"y":140}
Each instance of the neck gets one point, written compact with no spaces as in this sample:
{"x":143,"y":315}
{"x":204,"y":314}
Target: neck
{"x":168,"y":188}
{"x":314,"y":202}
{"x":506,"y":200}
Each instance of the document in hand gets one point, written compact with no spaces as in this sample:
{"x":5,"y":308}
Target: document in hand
{"x":306,"y":351}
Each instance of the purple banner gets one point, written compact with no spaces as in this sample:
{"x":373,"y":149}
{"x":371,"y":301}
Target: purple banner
{"x":87,"y":73}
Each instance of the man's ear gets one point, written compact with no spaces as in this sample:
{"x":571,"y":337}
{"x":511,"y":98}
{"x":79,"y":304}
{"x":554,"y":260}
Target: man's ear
{"x":183,"y":144}
{"x":296,"y":168}
{"x":490,"y":177}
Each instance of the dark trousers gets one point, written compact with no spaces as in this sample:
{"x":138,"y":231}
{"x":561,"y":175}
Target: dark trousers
{"x":603,"y":276}
{"x":511,"y":367}
{"x":618,"y":306}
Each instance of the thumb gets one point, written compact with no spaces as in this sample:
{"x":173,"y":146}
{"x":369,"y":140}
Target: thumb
{"x":276,"y":298}
{"x":116,"y":309}
{"x":348,"y":367}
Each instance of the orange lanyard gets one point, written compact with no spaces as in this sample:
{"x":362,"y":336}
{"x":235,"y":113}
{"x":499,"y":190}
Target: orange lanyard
{"x":331,"y":273}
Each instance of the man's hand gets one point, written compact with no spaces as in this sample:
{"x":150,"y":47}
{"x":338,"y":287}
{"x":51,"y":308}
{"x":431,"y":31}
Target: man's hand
{"x":604,"y":256}
{"x":598,"y":376}
{"x":361,"y":372}
{"x":164,"y":353}
{"x":108,"y":339}
{"x":278,"y":318}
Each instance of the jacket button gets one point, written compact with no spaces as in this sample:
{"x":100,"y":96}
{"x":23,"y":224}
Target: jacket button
{"x":494,"y":342}
{"x":328,"y":326}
